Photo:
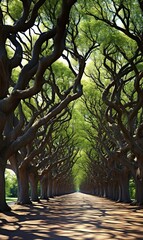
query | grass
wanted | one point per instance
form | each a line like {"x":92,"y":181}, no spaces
{"x":11,"y":199}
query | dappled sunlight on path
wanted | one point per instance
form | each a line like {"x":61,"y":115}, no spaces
{"x":73,"y":216}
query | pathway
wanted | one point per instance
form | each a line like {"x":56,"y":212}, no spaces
{"x":71,"y":217}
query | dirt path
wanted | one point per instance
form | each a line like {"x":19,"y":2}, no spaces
{"x":73,"y":216}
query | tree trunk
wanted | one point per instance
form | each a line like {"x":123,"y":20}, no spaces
{"x":58,"y":188}
{"x":105,"y":190}
{"x":139,"y":191}
{"x":97,"y":189}
{"x":43,"y":188}
{"x":23,"y":186}
{"x":115,"y":192}
{"x":124,"y":195}
{"x":110,"y":190}
{"x":124,"y":188}
{"x":49,"y":188}
{"x":33,"y":186}
{"x":3,"y":205}
{"x":54,"y":187}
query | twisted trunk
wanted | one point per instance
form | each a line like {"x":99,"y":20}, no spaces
{"x":23,"y":186}
{"x":43,"y":188}
{"x":124,"y":186}
{"x":33,"y":179}
{"x":3,"y":205}
{"x":50,"y":187}
{"x":139,"y":191}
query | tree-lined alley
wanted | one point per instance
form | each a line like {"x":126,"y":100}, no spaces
{"x":71,"y":97}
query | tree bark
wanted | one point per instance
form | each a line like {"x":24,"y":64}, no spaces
{"x":3,"y":205}
{"x":139,"y":191}
{"x":33,"y":187}
{"x":49,"y":188}
{"x":23,"y":186}
{"x":115,"y":191}
{"x":54,"y":187}
{"x":43,"y":188}
{"x":124,"y":186}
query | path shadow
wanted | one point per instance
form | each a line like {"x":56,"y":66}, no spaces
{"x":73,"y":216}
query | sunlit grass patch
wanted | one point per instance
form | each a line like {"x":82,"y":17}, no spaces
{"x":11,"y":199}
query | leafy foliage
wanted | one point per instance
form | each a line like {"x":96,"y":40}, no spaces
{"x":11,"y":184}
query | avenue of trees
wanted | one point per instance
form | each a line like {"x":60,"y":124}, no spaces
{"x":41,"y":66}
{"x":114,"y":102}
{"x":71,"y":98}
